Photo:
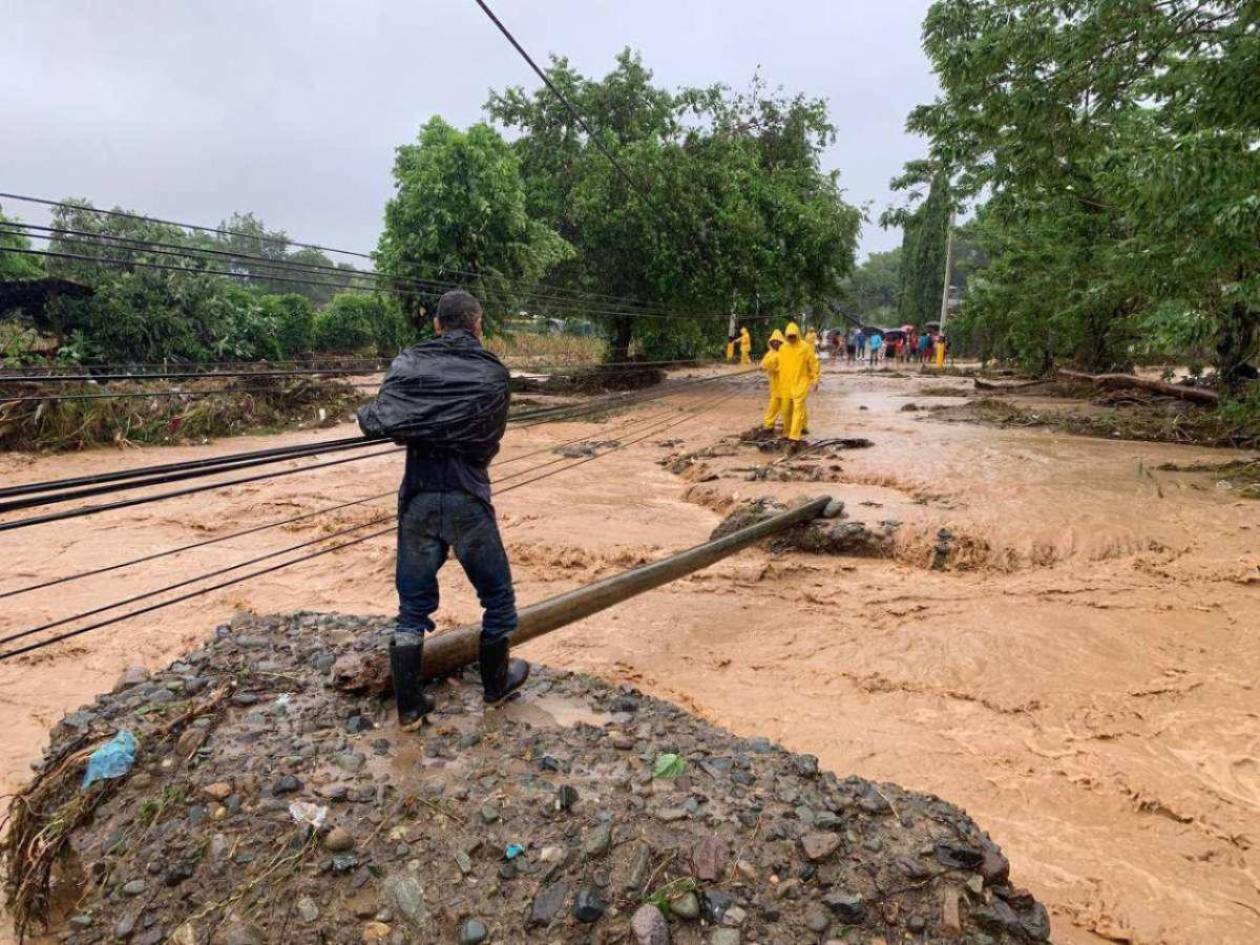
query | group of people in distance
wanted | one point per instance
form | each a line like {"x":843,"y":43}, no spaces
{"x":923,"y":346}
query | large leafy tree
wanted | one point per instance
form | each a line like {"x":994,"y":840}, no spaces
{"x":16,"y":265}
{"x":723,"y":206}
{"x":874,"y":288}
{"x":1116,"y":144}
{"x":459,"y":217}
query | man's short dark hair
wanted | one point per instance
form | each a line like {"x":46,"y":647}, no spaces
{"x":458,"y":309}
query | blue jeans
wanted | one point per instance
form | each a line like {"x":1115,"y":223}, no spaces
{"x":432,"y":524}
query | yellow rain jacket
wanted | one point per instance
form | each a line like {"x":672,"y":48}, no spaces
{"x":745,"y":346}
{"x":770,"y":365}
{"x":798,"y":372}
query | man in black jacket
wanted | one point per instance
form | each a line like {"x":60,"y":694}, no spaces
{"x":447,"y":399}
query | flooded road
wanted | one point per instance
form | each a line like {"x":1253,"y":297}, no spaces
{"x":1080,"y":677}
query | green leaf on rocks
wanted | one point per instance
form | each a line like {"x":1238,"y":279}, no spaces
{"x":668,"y":766}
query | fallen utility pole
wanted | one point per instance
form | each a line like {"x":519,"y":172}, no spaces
{"x":447,"y":652}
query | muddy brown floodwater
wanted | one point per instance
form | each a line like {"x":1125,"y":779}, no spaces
{"x":1081,"y":676}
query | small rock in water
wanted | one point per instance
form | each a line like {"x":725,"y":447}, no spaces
{"x":588,"y":906}
{"x":649,"y":927}
{"x":473,"y":932}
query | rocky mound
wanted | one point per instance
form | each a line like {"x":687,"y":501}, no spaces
{"x":263,"y":805}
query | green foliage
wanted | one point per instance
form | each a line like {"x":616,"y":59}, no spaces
{"x":1115,"y":146}
{"x":727,"y":208}
{"x":15,"y":265}
{"x":668,"y":766}
{"x":923,"y":256}
{"x":292,"y":317}
{"x":362,"y":323}
{"x":459,"y":215}
{"x":874,"y":287}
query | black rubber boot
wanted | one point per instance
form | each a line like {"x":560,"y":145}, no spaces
{"x":500,"y":676}
{"x":405,"y":662}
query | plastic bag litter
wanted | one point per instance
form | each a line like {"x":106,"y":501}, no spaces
{"x":448,"y":393}
{"x":111,"y":760}
{"x":304,"y":812}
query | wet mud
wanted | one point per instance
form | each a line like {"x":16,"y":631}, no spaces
{"x":1063,"y":640}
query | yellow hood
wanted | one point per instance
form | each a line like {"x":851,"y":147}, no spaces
{"x":793,"y":329}
{"x":777,"y":335}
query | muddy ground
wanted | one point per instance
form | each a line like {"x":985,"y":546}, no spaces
{"x":1060,"y":637}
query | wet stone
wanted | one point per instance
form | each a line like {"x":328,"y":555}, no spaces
{"x":819,"y":846}
{"x":649,"y":927}
{"x":548,"y":903}
{"x":686,"y":906}
{"x":286,"y":785}
{"x":588,"y":906}
{"x":307,"y":909}
{"x":597,"y":842}
{"x":846,"y":906}
{"x":338,"y":840}
{"x":473,"y":932}
{"x":133,"y":888}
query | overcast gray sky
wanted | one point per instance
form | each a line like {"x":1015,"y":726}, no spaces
{"x":191,"y":110}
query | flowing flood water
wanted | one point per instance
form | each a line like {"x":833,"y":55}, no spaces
{"x":1078,"y":670}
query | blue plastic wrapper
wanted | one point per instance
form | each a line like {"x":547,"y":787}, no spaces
{"x":513,"y":851}
{"x":111,"y":760}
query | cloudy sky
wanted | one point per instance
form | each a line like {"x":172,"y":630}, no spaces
{"x":191,"y":110}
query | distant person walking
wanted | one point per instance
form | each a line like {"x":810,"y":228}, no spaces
{"x":875,"y":344}
{"x":770,"y":367}
{"x":859,"y":342}
{"x":730,"y":350}
{"x":745,"y":346}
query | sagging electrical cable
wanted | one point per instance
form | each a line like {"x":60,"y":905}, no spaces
{"x":71,"y":238}
{"x":272,"y":240}
{"x":288,"y":521}
{"x":524,"y":418}
{"x":48,"y":517}
{"x":10,"y":654}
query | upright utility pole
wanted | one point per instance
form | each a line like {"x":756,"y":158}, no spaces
{"x":949,"y":270}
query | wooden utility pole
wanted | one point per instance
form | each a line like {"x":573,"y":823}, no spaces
{"x":446,"y":652}
{"x":949,"y":271}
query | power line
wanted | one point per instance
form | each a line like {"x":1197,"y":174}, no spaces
{"x":9,"y":654}
{"x":176,"y":471}
{"x":287,"y":521}
{"x":569,"y":106}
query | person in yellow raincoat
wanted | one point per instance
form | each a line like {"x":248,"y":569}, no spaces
{"x":798,"y":374}
{"x":745,"y":346}
{"x":730,"y":350}
{"x":770,"y":365}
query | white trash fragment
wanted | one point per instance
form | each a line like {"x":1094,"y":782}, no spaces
{"x":304,"y":812}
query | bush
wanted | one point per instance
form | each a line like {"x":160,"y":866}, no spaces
{"x":353,"y":323}
{"x":292,"y":317}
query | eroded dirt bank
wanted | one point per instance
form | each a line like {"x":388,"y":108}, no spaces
{"x":1078,"y":674}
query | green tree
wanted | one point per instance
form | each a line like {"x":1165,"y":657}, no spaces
{"x":292,"y":318}
{"x":725,"y":209}
{"x":15,"y":265}
{"x":362,"y":323}
{"x":874,"y":287}
{"x":458,"y":217}
{"x":923,"y":248}
{"x":1115,"y":143}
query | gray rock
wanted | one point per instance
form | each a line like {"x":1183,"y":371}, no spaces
{"x":236,"y":932}
{"x":489,"y":813}
{"x":816,"y":918}
{"x":724,"y":937}
{"x":473,"y":932}
{"x":408,"y":895}
{"x":588,"y":906}
{"x":307,"y":909}
{"x":124,"y":927}
{"x":847,"y":906}
{"x":686,"y":906}
{"x":597,"y":842}
{"x":548,"y":903}
{"x":464,"y":862}
{"x":133,"y":888}
{"x":131,"y":676}
{"x":649,"y":927}
{"x":286,"y":785}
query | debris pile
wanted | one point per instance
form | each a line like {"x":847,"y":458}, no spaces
{"x":827,"y":536}
{"x":264,"y":805}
